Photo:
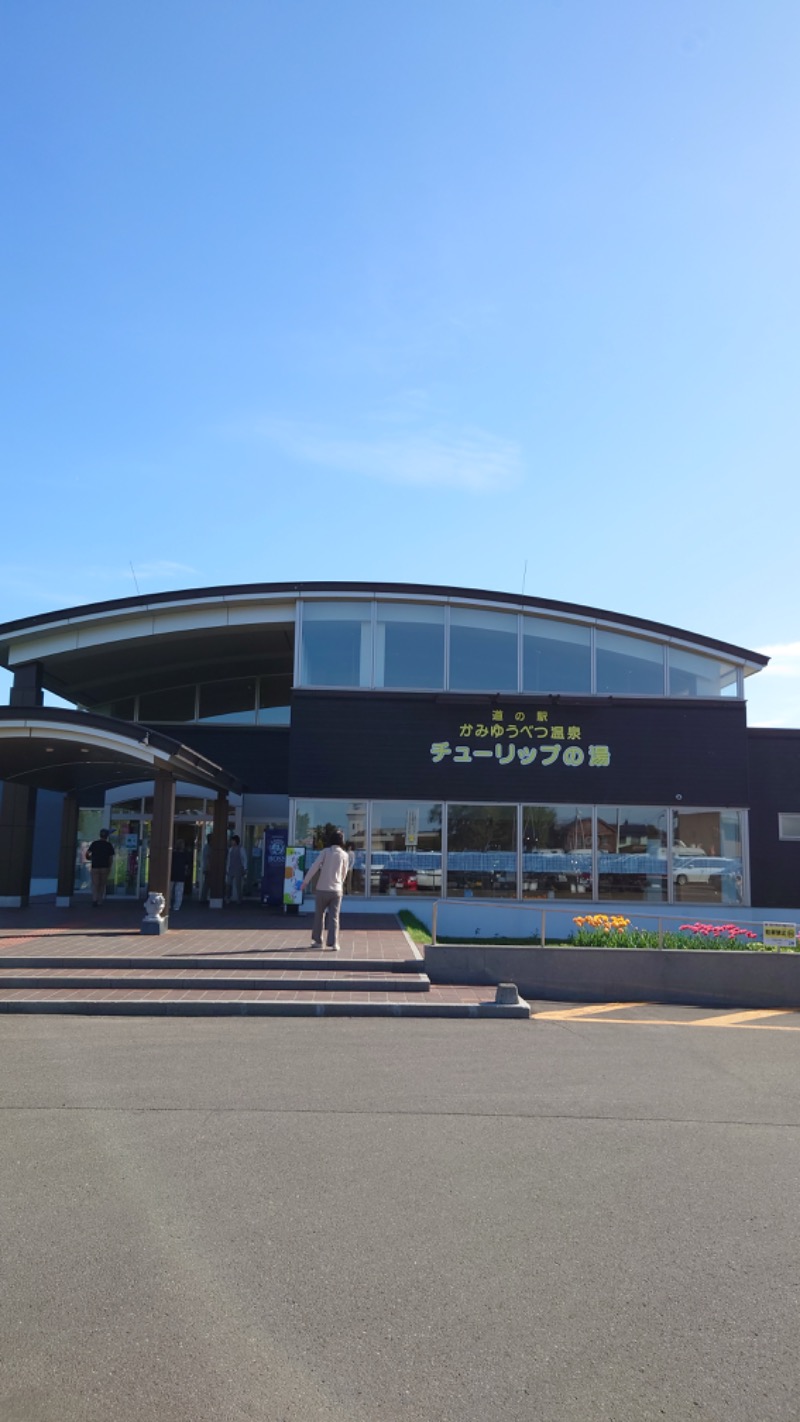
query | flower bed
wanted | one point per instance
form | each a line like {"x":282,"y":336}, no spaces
{"x":599,"y":930}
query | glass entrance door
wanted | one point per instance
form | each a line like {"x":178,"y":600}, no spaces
{"x":190,"y":835}
{"x":125,"y":827}
{"x":130,"y":823}
{"x":144,"y":855}
{"x":253,"y":844}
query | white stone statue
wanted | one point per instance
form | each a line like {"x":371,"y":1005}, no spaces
{"x":154,"y":906}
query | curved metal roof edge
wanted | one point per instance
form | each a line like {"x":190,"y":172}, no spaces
{"x":134,"y":731}
{"x":239,"y":590}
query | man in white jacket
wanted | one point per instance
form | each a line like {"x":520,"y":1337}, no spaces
{"x":332,"y":868}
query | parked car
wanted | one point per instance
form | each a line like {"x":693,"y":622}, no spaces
{"x":400,"y":880}
{"x":430,"y":879}
{"x":703,"y":870}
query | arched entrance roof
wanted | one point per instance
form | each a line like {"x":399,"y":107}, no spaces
{"x":47,"y":748}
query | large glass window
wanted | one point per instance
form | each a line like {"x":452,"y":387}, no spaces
{"x":482,"y":851}
{"x":253,"y":836}
{"x":337,"y":644}
{"x":562,"y":849}
{"x":409,"y":649}
{"x":629,"y":666}
{"x":274,"y":699}
{"x":406,"y":848}
{"x":483,"y":650}
{"x":177,"y":703}
{"x":274,"y":715}
{"x":556,"y":656}
{"x":90,"y":822}
{"x":315,"y":819}
{"x":122,"y":710}
{"x":632,"y":852}
{"x":189,"y":807}
{"x":556,"y":851}
{"x":691,"y":674}
{"x":231,"y":701}
{"x":707,"y":865}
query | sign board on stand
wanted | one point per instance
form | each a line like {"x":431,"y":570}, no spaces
{"x":274,"y":865}
{"x":294,"y":869}
{"x":780,"y":935}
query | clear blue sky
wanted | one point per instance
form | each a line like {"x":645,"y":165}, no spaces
{"x":418,"y":291}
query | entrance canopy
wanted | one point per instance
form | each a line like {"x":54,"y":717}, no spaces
{"x":47,"y":748}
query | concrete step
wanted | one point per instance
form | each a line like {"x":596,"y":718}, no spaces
{"x":344,"y":978}
{"x":252,"y":963}
{"x":438,"y":1001}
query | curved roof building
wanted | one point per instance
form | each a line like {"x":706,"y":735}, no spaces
{"x":471,"y":744}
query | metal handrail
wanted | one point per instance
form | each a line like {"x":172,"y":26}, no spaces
{"x":660,"y":919}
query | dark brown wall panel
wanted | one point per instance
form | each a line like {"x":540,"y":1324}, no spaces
{"x":381,"y":747}
{"x":775,"y":786}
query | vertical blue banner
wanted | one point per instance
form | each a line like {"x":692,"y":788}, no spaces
{"x":274,"y":866}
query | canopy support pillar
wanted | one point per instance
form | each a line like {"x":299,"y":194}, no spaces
{"x":161,"y":836}
{"x":17,"y":820}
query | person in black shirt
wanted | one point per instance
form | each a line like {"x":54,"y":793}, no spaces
{"x":100,"y":854}
{"x":180,"y":866}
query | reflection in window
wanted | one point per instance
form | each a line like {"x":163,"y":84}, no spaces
{"x":128,"y":836}
{"x":274,"y":715}
{"x":90,"y":822}
{"x":557,"y":857}
{"x":314,"y":822}
{"x":274,"y":699}
{"x":629,"y":666}
{"x":556,"y":851}
{"x":232,"y":701}
{"x":632,"y":852}
{"x":409,"y":649}
{"x":190,"y":805}
{"x":482,"y":851}
{"x":406,"y":848}
{"x":337,"y":644}
{"x":483,"y":650}
{"x":691,"y":674}
{"x":175,"y":704}
{"x":707,"y":864}
{"x":556,"y":656}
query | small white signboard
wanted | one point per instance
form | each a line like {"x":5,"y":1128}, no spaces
{"x":412,"y":827}
{"x":780,"y":935}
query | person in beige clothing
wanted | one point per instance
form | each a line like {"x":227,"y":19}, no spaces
{"x":331,"y":869}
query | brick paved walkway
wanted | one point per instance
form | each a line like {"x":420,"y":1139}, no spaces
{"x":113,"y":931}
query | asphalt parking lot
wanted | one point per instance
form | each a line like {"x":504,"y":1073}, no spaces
{"x":582,"y":1216}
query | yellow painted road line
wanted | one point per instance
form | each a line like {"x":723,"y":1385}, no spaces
{"x":734,"y":1019}
{"x":672,"y":1022}
{"x":564,"y":1014}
